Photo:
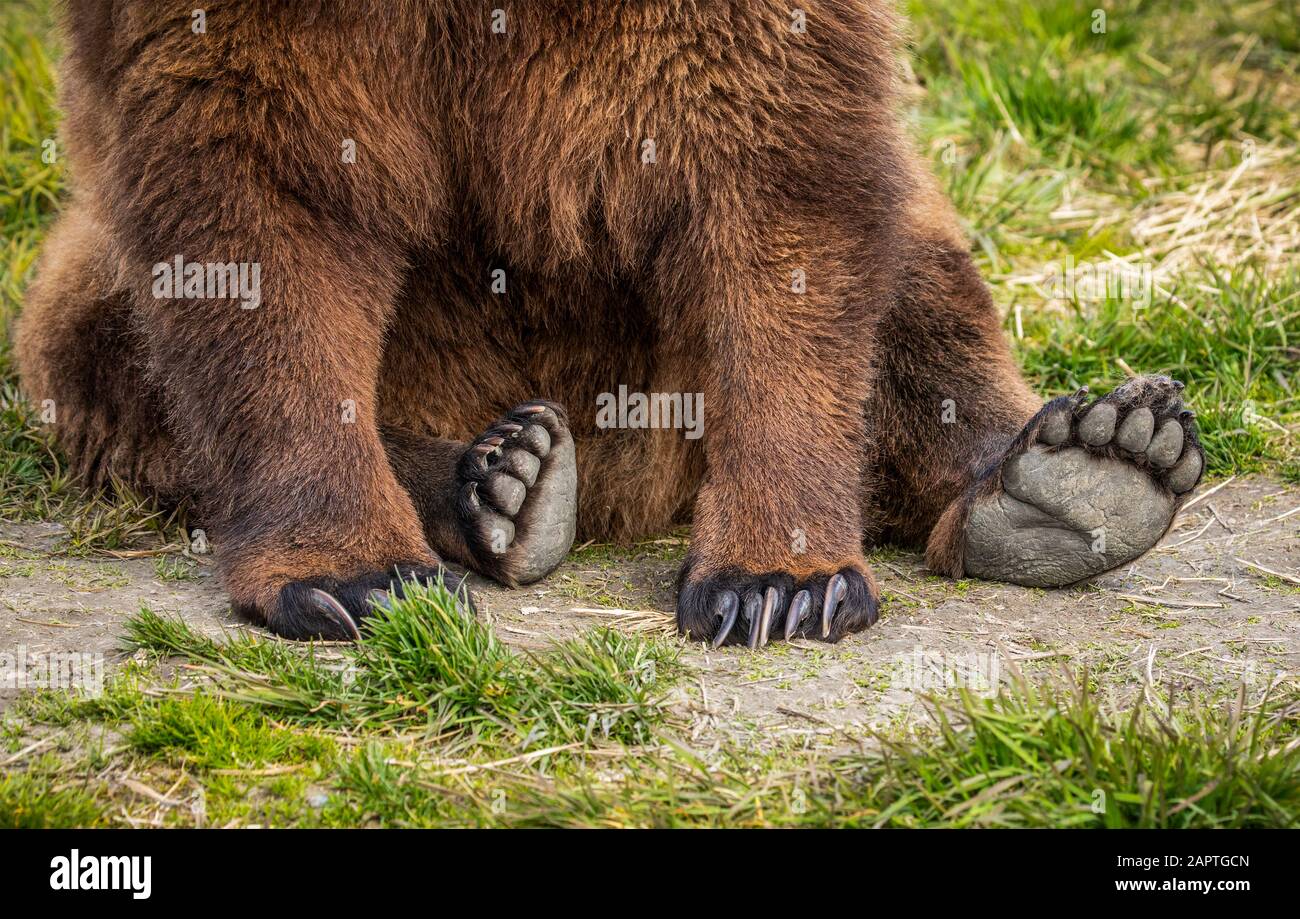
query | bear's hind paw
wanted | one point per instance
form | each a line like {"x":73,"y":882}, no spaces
{"x":1086,"y":488}
{"x":517,"y":501}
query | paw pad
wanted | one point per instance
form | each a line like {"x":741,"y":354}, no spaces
{"x":1143,"y":421}
{"x":1087,"y":487}
{"x":517,"y":503}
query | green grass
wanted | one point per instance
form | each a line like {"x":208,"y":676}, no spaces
{"x":30,"y":189}
{"x":427,"y":666}
{"x":1033,"y":756}
{"x":31,"y":802}
{"x":1027,"y":111}
{"x":399,"y":731}
{"x":1030,"y":117}
{"x":209,"y":732}
{"x":1236,"y":351}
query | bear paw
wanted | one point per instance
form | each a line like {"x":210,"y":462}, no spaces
{"x":1086,"y":488}
{"x":735,"y":607}
{"x":517,"y":498}
{"x":333,"y":609}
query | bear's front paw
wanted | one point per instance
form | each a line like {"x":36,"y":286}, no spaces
{"x":335,"y":609}
{"x":732,"y":606}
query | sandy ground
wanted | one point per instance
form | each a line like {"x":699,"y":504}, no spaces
{"x":1192,"y":611}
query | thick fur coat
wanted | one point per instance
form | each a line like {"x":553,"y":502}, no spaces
{"x":547,"y":202}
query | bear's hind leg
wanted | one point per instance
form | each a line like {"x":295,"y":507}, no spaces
{"x":82,"y":369}
{"x":947,"y":395}
{"x":993,"y":486}
{"x":505,"y":504}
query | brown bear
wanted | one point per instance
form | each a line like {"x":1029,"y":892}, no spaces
{"x":322,"y":259}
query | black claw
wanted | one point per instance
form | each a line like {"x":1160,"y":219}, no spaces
{"x":753,"y":617}
{"x":798,"y":609}
{"x":728,"y":607}
{"x":835,"y":592}
{"x":333,"y":610}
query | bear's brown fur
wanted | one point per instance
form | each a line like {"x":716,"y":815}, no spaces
{"x":775,"y":151}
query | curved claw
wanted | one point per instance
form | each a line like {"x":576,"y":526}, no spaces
{"x":835,"y":592}
{"x":798,"y":610}
{"x":380,"y":599}
{"x":333,"y":610}
{"x":753,"y":617}
{"x":769,"y":609}
{"x":727,"y":609}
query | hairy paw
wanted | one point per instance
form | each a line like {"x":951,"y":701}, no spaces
{"x":736,"y":607}
{"x":335,"y":609}
{"x":1086,"y":487}
{"x":517,"y":499}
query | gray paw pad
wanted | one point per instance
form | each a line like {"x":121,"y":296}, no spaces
{"x":520,"y":504}
{"x":1165,"y":447}
{"x":1097,"y":490}
{"x":1098,"y":426}
{"x":1063,"y":516}
{"x":1187,"y":473}
{"x":1055,"y":429}
{"x":1135,"y":433}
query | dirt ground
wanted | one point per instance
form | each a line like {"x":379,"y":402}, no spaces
{"x":1194,"y":611}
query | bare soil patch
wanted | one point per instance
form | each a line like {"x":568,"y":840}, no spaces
{"x":1195,"y":611}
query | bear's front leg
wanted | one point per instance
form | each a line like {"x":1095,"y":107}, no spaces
{"x":276,"y":409}
{"x":270,"y":378}
{"x":781,"y":342}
